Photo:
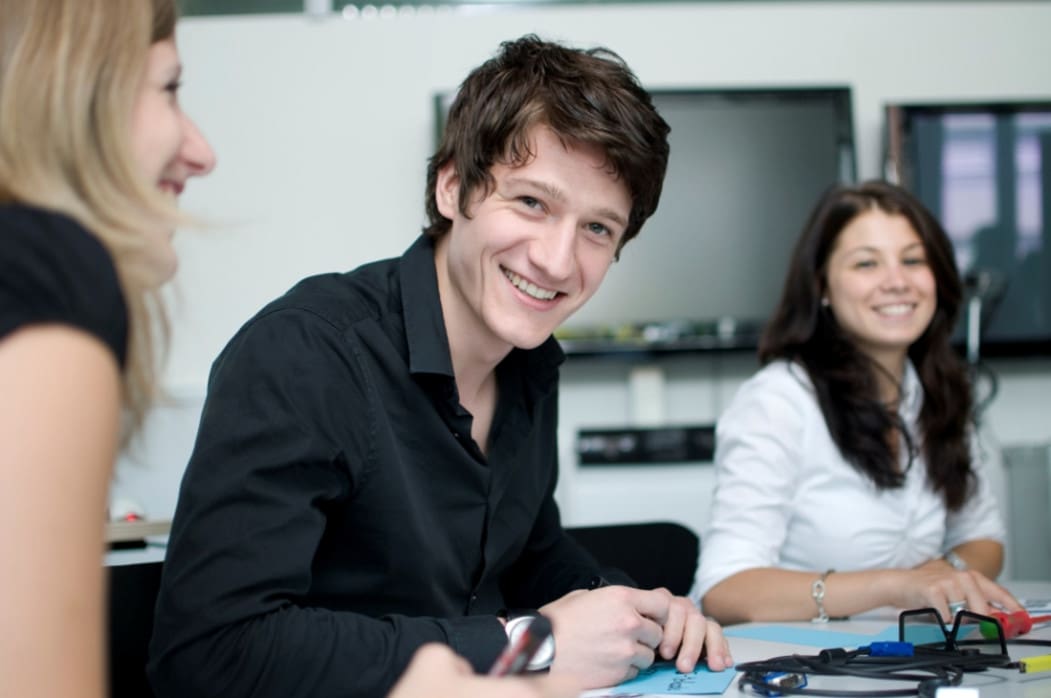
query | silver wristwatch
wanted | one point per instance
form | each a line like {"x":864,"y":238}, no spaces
{"x":517,"y":622}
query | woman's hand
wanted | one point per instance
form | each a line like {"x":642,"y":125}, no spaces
{"x":939,"y":585}
{"x":437,"y":672}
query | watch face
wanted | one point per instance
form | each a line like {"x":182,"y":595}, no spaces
{"x":544,"y":654}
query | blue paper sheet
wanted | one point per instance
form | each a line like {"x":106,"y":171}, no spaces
{"x":662,"y":678}
{"x":824,"y":637}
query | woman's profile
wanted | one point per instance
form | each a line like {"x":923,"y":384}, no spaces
{"x":94,"y":152}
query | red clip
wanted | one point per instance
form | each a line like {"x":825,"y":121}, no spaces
{"x":1014,"y":624}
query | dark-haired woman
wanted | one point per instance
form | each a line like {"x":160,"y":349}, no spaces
{"x":846,"y":474}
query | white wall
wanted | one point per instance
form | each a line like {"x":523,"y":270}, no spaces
{"x":323,"y":127}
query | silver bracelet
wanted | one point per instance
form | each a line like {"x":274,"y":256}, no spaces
{"x":955,"y":560}
{"x":817,"y":592}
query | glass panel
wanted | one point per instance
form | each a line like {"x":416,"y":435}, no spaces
{"x":923,"y":626}
{"x":970,"y":632}
{"x":978,"y":632}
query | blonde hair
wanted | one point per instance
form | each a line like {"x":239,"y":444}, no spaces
{"x":70,"y":72}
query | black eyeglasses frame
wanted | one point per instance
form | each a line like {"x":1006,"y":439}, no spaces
{"x":952,"y":641}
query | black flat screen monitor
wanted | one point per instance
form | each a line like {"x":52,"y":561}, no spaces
{"x":984,"y":170}
{"x":746,"y":166}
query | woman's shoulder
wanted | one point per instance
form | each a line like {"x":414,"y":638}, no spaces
{"x":53,"y":270}
{"x":781,"y":376}
{"x":780,"y":390}
{"x":34,"y":235}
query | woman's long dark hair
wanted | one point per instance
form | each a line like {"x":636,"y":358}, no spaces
{"x":845,"y":379}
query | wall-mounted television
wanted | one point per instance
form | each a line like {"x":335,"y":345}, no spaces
{"x":984,"y":169}
{"x":746,"y":166}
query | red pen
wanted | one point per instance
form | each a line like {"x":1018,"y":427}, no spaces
{"x":516,"y":655}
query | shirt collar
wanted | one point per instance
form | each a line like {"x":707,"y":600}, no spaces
{"x":425,"y":325}
{"x":422,"y":310}
{"x":911,"y":391}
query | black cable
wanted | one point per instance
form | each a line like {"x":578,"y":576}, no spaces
{"x":930,"y":665}
{"x":938,"y":676}
{"x":762,"y":687}
{"x":930,"y":668}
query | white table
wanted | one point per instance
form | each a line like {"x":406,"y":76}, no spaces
{"x":992,"y":683}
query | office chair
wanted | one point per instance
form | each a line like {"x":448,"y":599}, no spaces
{"x":654,"y":554}
{"x":132,"y":595}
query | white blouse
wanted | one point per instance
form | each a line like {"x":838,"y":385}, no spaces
{"x":785,"y":497}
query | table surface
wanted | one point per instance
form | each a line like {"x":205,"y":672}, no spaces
{"x":153,"y":551}
{"x":992,"y":683}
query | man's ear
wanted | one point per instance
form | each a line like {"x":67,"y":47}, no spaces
{"x":447,"y":191}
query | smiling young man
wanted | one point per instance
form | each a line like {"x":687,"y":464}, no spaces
{"x":376,"y":460}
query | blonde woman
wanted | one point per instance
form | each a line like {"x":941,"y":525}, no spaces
{"x":94,"y":149}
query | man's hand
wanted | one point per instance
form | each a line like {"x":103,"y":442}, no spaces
{"x":606,"y":636}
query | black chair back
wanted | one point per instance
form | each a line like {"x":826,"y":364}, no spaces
{"x":654,"y":554}
{"x":132,"y":595}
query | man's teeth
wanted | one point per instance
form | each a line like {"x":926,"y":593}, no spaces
{"x":528,"y":288}
{"x":899,"y":309}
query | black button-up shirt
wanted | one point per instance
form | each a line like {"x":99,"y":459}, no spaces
{"x":336,"y":512}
